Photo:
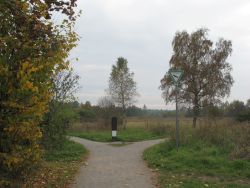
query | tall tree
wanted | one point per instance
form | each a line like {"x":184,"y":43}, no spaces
{"x":207,"y":74}
{"x":32,"y":50}
{"x":122,"y":87}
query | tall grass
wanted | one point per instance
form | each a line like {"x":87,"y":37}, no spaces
{"x":232,"y":138}
{"x":215,"y":154}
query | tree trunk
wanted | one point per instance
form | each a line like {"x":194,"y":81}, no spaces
{"x":124,"y":117}
{"x":194,"y":121}
{"x":125,"y":122}
{"x":195,"y":111}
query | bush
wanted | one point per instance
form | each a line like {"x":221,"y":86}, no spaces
{"x":55,"y":124}
{"x":87,"y":114}
{"x":160,"y":129}
{"x":244,"y":116}
{"x":241,"y":148}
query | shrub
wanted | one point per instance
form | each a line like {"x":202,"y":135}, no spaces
{"x":87,"y":114}
{"x":241,"y":148}
{"x":55,"y":124}
{"x":160,"y":129}
{"x":244,"y":116}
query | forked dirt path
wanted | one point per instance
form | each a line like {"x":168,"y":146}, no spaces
{"x":114,"y":166}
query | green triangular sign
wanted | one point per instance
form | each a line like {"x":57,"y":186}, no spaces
{"x":175,"y":75}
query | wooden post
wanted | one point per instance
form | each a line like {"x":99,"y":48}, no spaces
{"x":114,"y":128}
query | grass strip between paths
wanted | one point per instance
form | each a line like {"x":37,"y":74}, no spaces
{"x":128,"y":135}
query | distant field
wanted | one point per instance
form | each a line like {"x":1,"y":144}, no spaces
{"x":138,"y":128}
{"x":156,"y":121}
{"x":142,"y":122}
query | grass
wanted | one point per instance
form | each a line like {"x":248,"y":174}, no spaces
{"x":131,"y":134}
{"x":197,"y":165}
{"x":70,"y":151}
{"x":58,"y":167}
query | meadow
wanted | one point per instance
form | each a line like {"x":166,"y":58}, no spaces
{"x":137,"y":129}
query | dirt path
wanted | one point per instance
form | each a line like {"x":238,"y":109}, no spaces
{"x":114,"y":167}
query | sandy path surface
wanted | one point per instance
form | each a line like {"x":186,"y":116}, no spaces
{"x":114,"y":166}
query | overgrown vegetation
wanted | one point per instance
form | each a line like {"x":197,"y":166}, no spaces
{"x":61,"y":112}
{"x":209,"y":156}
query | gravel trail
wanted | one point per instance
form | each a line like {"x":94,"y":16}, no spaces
{"x":111,"y":166}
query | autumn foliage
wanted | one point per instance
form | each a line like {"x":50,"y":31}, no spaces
{"x":32,"y":50}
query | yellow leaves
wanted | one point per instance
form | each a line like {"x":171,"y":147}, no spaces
{"x":12,"y":161}
{"x":9,"y":129}
{"x":11,"y":104}
{"x":25,"y":65}
{"x":3,"y":70}
{"x":19,"y":155}
{"x":30,"y":86}
{"x":27,"y":68}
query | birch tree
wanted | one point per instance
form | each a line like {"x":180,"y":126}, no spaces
{"x":122,"y":87}
{"x":207,"y":74}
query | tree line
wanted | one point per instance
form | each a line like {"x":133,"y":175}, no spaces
{"x":236,"y":109}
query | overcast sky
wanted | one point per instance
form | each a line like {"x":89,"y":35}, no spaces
{"x":142,"y":31}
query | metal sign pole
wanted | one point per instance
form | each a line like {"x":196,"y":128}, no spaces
{"x":176,"y":75}
{"x":177,"y":117}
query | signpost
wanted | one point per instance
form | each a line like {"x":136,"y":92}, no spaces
{"x":114,"y":128}
{"x":176,"y":75}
